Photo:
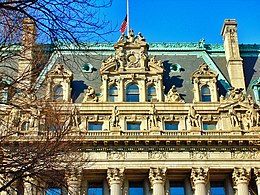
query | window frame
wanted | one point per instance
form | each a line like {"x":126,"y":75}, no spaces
{"x":133,"y":122}
{"x":113,"y":97}
{"x":204,"y":123}
{"x":171,"y":122}
{"x":151,"y":96}
{"x":57,"y":97}
{"x":204,"y":96}
{"x":94,"y":123}
{"x":132,"y":97}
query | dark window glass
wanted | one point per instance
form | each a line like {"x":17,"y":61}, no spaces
{"x":54,"y":191}
{"x":151,"y":93}
{"x":171,"y":125}
{"x":136,"y":188}
{"x":258,"y":90}
{"x":132,"y":93}
{"x":209,"y":126}
{"x":95,"y":188}
{"x":133,"y":126}
{"x":58,"y":93}
{"x":217,"y":188}
{"x":95,"y":126}
{"x":177,"y":188}
{"x":113,"y":94}
{"x":205,"y":94}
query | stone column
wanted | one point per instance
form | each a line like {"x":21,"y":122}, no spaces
{"x":115,"y":179}
{"x":157,"y":179}
{"x":241,"y":178}
{"x":74,"y":178}
{"x":257,"y":174}
{"x":199,"y":178}
{"x":29,"y":187}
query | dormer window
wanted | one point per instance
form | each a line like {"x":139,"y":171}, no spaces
{"x":113,"y":94}
{"x":151,"y":93}
{"x":132,"y":93}
{"x":205,"y":93}
{"x":58,"y":93}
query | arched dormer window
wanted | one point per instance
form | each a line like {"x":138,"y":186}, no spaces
{"x":132,"y":93}
{"x":151,"y":93}
{"x":113,"y":93}
{"x":205,"y":93}
{"x":58,"y":93}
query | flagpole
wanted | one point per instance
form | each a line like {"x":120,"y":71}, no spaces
{"x":127,"y":15}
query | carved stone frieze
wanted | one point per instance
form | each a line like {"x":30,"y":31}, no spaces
{"x":204,"y":71}
{"x":199,"y":155}
{"x":245,"y":155}
{"x":116,"y":155}
{"x":157,"y":155}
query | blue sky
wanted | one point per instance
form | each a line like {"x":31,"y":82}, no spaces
{"x":187,"y":20}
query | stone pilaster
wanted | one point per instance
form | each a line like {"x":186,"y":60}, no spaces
{"x":157,"y":179}
{"x":199,"y":178}
{"x":257,"y":179}
{"x":29,"y":186}
{"x":115,"y":177}
{"x":241,"y":178}
{"x":74,"y":178}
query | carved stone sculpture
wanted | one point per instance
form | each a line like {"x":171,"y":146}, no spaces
{"x":35,"y":117}
{"x":233,"y":117}
{"x":153,"y":118}
{"x":253,"y":116}
{"x":14,"y":117}
{"x":115,"y":175}
{"x":157,"y":174}
{"x":194,"y":119}
{"x":173,"y":96}
{"x":90,"y":95}
{"x":199,"y":175}
{"x":75,"y":117}
{"x":115,"y":117}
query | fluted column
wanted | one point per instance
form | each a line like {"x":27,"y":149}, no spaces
{"x":74,"y":178}
{"x":157,"y":179}
{"x":199,"y":177}
{"x":115,"y":177}
{"x":241,"y":178}
{"x":257,"y":179}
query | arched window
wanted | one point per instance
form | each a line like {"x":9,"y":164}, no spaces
{"x":25,"y":126}
{"x":58,"y":93}
{"x":132,"y":93}
{"x":151,"y":93}
{"x":205,"y":94}
{"x":113,"y":94}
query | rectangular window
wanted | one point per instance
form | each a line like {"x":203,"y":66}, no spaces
{"x":170,"y":125}
{"x":54,"y":191}
{"x":209,"y":126}
{"x":95,"y":126}
{"x":136,"y":188}
{"x":217,"y":188}
{"x":177,"y":188}
{"x":95,"y":188}
{"x":133,"y":126}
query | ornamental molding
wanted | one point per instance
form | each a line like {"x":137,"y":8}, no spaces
{"x":199,"y":155}
{"x":60,"y":71}
{"x":204,"y":72}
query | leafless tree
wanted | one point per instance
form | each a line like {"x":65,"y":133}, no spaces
{"x":54,"y":23}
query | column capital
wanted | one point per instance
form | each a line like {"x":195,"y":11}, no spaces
{"x":257,"y":175}
{"x":199,"y":175}
{"x":157,"y":175}
{"x":241,"y":175}
{"x":115,"y":175}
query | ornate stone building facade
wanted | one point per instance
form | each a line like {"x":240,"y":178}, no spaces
{"x":159,"y":118}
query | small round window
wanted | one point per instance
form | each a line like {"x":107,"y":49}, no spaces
{"x":175,"y":68}
{"x":87,"y":67}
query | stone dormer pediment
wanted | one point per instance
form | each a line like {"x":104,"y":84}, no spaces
{"x":131,"y":55}
{"x":204,"y":72}
{"x":60,"y":72}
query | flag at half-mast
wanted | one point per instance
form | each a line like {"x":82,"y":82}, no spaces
{"x":123,"y":25}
